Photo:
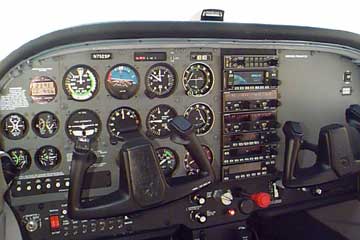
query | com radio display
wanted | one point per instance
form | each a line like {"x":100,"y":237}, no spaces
{"x":246,"y":78}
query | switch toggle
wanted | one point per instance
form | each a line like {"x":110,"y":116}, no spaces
{"x":54,"y":222}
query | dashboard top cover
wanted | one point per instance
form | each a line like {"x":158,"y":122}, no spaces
{"x":201,"y":30}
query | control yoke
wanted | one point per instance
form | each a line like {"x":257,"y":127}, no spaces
{"x":142,"y":183}
{"x":335,"y":157}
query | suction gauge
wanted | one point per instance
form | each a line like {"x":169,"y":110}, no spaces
{"x":157,"y":120}
{"x":122,"y":81}
{"x":81,"y":83}
{"x":47,"y":157}
{"x":168,"y":160}
{"x":201,"y":116}
{"x":14,"y":126}
{"x":160,"y":81}
{"x":191,"y":166}
{"x":45,"y":124}
{"x":83,"y":123}
{"x":122,"y":120}
{"x":198,"y":79}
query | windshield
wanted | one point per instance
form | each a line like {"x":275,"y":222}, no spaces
{"x":22,"y":21}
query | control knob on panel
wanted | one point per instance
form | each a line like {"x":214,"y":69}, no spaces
{"x":246,"y":206}
{"x":199,"y":199}
{"x":226,"y":198}
{"x":261,"y":199}
{"x":200,"y":218}
{"x":32,"y":223}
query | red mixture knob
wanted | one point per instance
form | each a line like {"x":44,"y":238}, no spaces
{"x":261,"y":199}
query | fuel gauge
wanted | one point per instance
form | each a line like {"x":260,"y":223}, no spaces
{"x":45,"y":124}
{"x":20,"y":159}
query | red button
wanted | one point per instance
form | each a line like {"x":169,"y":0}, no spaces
{"x":261,"y":199}
{"x":54,"y":222}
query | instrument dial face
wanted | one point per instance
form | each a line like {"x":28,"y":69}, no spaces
{"x":191,"y":166}
{"x":168,"y":160}
{"x":160,"y":81}
{"x":158,"y":119}
{"x":14,"y":126}
{"x":45,"y":124}
{"x":198,"y":79}
{"x":83,"y":123}
{"x":122,"y":120}
{"x":81,"y":83}
{"x":201,"y":116}
{"x":47,"y":157}
{"x":122,"y":81}
{"x":20,"y":159}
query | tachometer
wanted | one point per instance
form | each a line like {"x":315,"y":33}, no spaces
{"x":201,"y":116}
{"x":45,"y":124}
{"x":157,"y":120}
{"x":20,"y":159}
{"x":168,"y":160}
{"x":122,"y":81}
{"x":198,"y":79}
{"x":122,"y":120}
{"x":160,"y":81}
{"x":191,"y":166}
{"x":81,"y":83}
{"x":14,"y":126}
{"x":47,"y":157}
{"x":83,"y":123}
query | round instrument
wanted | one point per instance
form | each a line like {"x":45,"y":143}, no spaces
{"x":198,"y":79}
{"x":160,"y":81}
{"x":158,"y":119}
{"x":81,"y":83}
{"x":122,"y":81}
{"x":201,"y":116}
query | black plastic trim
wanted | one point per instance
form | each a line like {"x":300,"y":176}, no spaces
{"x":141,"y":30}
